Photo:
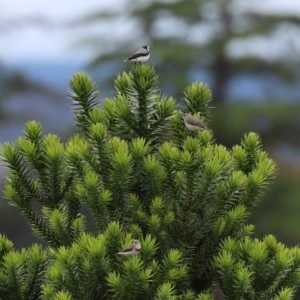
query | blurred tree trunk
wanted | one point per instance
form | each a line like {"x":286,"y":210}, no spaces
{"x":192,"y":36}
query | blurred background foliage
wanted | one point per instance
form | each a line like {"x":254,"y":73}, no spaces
{"x":248,"y":53}
{"x":222,"y":41}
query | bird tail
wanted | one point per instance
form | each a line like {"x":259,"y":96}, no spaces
{"x":126,"y":60}
{"x":122,"y":253}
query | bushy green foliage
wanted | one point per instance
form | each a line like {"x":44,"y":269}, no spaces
{"x":134,"y":170}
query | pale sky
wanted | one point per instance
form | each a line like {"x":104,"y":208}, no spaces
{"x":52,"y":43}
{"x":31,"y":42}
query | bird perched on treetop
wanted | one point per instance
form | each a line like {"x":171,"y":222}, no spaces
{"x":134,"y":249}
{"x":193,"y":123}
{"x":141,"y":55}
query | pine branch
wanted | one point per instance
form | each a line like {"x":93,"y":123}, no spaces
{"x":36,"y":269}
{"x":197,"y":97}
{"x":84,"y":96}
{"x":22,"y":273}
{"x":139,"y":110}
{"x":136,"y":171}
{"x":252,"y":268}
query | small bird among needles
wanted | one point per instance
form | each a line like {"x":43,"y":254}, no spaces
{"x":192,"y":123}
{"x":141,"y":55}
{"x":134,"y":249}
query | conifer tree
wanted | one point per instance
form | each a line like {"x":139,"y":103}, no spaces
{"x":134,"y":171}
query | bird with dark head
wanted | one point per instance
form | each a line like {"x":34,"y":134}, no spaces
{"x":141,"y":55}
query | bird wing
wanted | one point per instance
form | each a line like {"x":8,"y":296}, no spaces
{"x":141,"y":51}
{"x":127,"y":249}
{"x":195,"y":122}
{"x":138,"y":53}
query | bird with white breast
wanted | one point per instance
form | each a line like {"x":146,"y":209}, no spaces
{"x":134,"y":249}
{"x":141,"y":55}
